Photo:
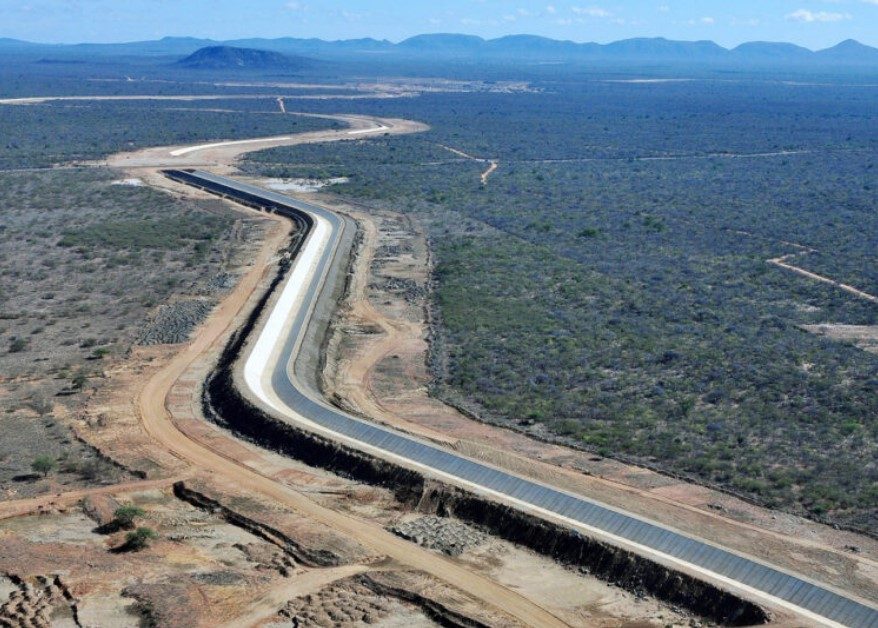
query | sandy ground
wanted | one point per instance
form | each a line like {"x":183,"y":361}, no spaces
{"x":52,"y":503}
{"x":376,"y":367}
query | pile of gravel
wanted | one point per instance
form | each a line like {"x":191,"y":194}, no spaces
{"x":438,"y":533}
{"x":173,"y":323}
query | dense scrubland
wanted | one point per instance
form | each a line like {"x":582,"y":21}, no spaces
{"x":608,"y":287}
{"x":611,"y":280}
{"x":57,"y":132}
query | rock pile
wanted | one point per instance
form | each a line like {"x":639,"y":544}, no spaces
{"x":441,"y":534}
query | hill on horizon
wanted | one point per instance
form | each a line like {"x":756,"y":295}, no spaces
{"x":233,"y":58}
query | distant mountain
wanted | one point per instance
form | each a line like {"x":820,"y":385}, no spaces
{"x":231,"y":58}
{"x":659,"y":48}
{"x":464,"y":48}
{"x":536,"y":46}
{"x":443,"y":43}
{"x":313,"y":46}
{"x":850,"y":51}
{"x":7,"y":43}
{"x":771,"y":51}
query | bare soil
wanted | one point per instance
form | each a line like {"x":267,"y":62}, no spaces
{"x":863,"y":336}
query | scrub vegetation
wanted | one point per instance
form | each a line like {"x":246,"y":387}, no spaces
{"x":86,"y":264}
{"x":56,"y":132}
{"x":610,"y":286}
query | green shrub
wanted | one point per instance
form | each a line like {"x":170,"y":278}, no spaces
{"x":125,"y":516}
{"x":140,"y":538}
{"x":44,"y":465}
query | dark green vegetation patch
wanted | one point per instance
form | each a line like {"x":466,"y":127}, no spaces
{"x":612,"y":281}
{"x":55,"y":132}
{"x":160,"y":233}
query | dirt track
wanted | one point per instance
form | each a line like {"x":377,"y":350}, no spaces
{"x":782,"y":262}
{"x":220,"y":156}
{"x":156,"y":420}
{"x":493,"y":164}
{"x":43,"y":503}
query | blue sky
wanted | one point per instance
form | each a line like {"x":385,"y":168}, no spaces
{"x":811,"y":23}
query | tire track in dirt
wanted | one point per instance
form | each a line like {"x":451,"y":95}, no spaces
{"x":493,"y":164}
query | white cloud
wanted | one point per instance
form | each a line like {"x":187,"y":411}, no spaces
{"x":551,"y":10}
{"x":591,"y":11}
{"x":707,"y":20}
{"x":664,"y":9}
{"x":293,"y":5}
{"x":804,"y":15}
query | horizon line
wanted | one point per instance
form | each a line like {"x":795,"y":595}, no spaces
{"x":462,"y":34}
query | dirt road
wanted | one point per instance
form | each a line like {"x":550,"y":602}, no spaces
{"x":221,"y":155}
{"x":156,"y":420}
{"x":493,"y":164}
{"x":157,"y":423}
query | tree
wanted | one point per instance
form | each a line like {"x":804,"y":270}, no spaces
{"x":139,"y":539}
{"x":43,"y":465}
{"x":125,"y":515}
